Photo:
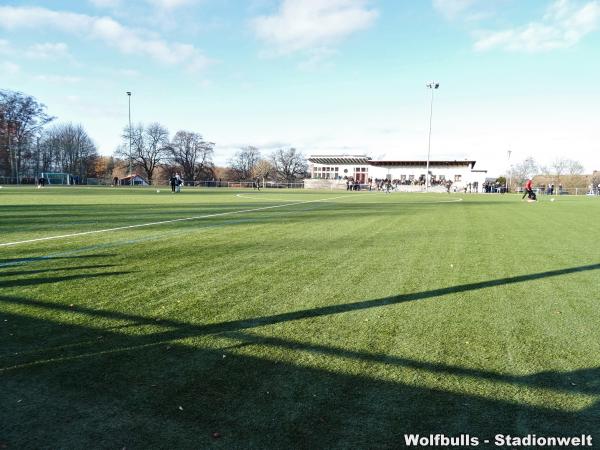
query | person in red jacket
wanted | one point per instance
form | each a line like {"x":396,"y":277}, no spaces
{"x":528,"y":190}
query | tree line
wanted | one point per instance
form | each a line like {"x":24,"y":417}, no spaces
{"x":32,"y":142}
{"x":560,"y":170}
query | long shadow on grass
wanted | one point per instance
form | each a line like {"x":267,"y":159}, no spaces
{"x":182,"y":329}
{"x":56,"y":279}
{"x":55,"y":269}
{"x":126,"y":389}
{"x":152,"y":394}
{"x":16,"y":261}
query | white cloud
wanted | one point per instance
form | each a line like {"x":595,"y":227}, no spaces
{"x":171,"y":4}
{"x":317,"y":57}
{"x":563,"y":26}
{"x":48,"y":50}
{"x":312,"y":24}
{"x":452,"y":8}
{"x":9,"y":68}
{"x":5,"y":48}
{"x":106,"y":3}
{"x":58,"y":79}
{"x":107,"y":30}
{"x":131,"y":73}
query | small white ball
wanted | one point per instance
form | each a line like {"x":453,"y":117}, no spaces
{"x":158,"y":191}
{"x":551,"y":199}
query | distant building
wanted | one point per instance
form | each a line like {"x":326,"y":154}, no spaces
{"x":410,"y":173}
{"x":136,"y":179}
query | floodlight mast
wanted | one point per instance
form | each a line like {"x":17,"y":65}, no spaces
{"x":130,"y":156}
{"x":508,"y":174}
{"x":433,"y":85}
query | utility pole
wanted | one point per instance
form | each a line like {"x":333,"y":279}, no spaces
{"x":433,"y":85}
{"x":508,"y":172}
{"x":130,"y":155}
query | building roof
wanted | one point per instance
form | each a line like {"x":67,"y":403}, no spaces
{"x":340,"y":159}
{"x":135,"y":175}
{"x":423,"y":163}
{"x":362,"y":159}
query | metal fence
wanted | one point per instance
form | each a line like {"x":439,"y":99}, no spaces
{"x":196,"y":184}
{"x":564,"y":191}
{"x":20,"y":180}
{"x":240,"y":184}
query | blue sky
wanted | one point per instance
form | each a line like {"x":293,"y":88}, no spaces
{"x":324,"y":76}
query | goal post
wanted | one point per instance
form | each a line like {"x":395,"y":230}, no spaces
{"x":57,"y":178}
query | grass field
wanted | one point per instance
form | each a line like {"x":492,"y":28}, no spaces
{"x":294,"y":319}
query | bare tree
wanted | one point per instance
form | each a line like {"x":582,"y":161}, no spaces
{"x":596,"y":180}
{"x":263,"y":169}
{"x":289,"y":164}
{"x":192,"y":154}
{"x":149,"y":147}
{"x":559,"y":167}
{"x":67,"y":148}
{"x":22,"y":118}
{"x":574,"y":167}
{"x":243,"y":163}
{"x":524,"y":170}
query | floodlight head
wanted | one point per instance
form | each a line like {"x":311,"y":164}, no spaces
{"x":433,"y":85}
{"x":129,"y":93}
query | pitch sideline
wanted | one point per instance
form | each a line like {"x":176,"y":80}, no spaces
{"x":162,"y":222}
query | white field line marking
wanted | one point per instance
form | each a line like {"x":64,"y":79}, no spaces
{"x":352,"y":196}
{"x":162,"y":222}
{"x":260,"y":197}
{"x":424,"y":202}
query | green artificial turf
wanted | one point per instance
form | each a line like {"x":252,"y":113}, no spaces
{"x":294,"y":319}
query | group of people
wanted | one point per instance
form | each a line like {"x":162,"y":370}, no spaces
{"x":384,"y":185}
{"x":387,"y":185}
{"x":176,"y":181}
{"x":352,"y":185}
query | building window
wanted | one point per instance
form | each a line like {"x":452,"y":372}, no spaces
{"x":457,"y":177}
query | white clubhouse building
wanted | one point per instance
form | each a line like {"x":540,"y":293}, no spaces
{"x":334,"y":170}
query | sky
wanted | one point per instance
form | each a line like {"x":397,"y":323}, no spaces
{"x":323,"y":76}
